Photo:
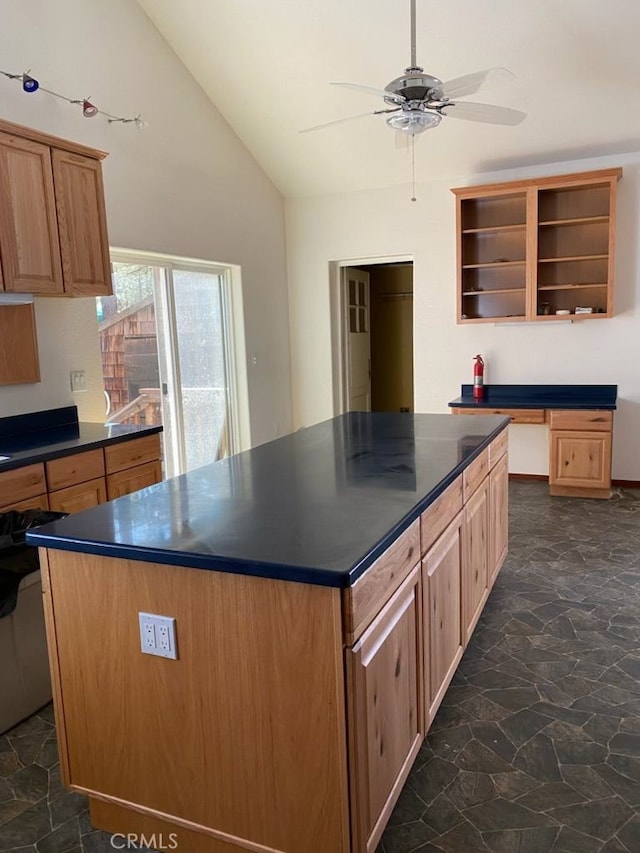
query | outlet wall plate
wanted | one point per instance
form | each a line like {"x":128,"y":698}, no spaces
{"x":158,"y":635}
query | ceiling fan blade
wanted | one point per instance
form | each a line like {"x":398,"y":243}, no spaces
{"x":469,"y":84}
{"x":348,"y":118}
{"x":370,"y":90}
{"x":488,"y":113}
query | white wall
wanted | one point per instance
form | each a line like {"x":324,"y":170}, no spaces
{"x":386,"y":223}
{"x":185,"y":185}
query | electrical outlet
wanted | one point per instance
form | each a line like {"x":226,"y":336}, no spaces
{"x":158,"y":635}
{"x":148,"y":634}
{"x":78,"y":380}
{"x":163,"y":637}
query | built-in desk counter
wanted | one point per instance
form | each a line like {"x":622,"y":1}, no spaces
{"x":580,"y":418}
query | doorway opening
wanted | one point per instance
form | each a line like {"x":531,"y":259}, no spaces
{"x":374,"y":349}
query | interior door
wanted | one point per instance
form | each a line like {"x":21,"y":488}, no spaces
{"x":358,"y":339}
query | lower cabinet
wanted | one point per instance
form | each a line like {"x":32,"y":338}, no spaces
{"x":132,"y":465}
{"x":79,"y":497}
{"x":132,"y":479}
{"x":83,"y":480}
{"x":384,"y":677}
{"x":475,"y":561}
{"x":580,"y":460}
{"x":441,"y":609}
{"x":499,"y":516}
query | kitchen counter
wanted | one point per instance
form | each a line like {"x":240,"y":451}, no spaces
{"x":42,"y":436}
{"x":318,"y":506}
{"x":539,"y":397}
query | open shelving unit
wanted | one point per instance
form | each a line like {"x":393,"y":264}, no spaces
{"x":527,"y":249}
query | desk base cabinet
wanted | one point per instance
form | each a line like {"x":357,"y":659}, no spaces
{"x":580,"y":453}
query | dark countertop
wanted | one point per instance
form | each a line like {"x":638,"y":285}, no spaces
{"x":539,"y":397}
{"x":317,"y":506}
{"x":40,"y":436}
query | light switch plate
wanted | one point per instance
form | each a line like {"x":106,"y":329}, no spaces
{"x":158,"y":635}
{"x":78,"y":380}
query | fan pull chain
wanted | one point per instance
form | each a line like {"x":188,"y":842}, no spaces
{"x":413,"y":167}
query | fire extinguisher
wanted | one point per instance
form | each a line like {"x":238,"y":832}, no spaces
{"x":478,"y":377}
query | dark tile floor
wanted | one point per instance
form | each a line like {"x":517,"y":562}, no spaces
{"x":536,"y":748}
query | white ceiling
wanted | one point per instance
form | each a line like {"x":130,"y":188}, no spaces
{"x":267,"y":65}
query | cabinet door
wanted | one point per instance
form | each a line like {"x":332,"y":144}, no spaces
{"x":475,"y":557}
{"x":499,"y":516}
{"x":39,"y":502}
{"x":441,"y":609}
{"x":580,"y":460}
{"x":125,"y":482}
{"x":82,"y":224}
{"x":79,"y":497}
{"x":28,"y":226}
{"x":384,"y":708}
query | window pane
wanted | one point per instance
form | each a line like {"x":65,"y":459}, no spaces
{"x":202,"y":365}
{"x":129,"y":347}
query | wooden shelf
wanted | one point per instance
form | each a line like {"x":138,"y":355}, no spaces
{"x":493,"y":291}
{"x":571,"y":286}
{"x":569,"y":221}
{"x":573,"y":258}
{"x":581,"y":220}
{"x":494,"y":265}
{"x":513,"y":318}
{"x":495,"y":229}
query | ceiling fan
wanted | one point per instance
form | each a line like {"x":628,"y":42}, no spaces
{"x":417,"y":101}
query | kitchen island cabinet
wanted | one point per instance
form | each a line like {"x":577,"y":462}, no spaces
{"x":316,"y":584}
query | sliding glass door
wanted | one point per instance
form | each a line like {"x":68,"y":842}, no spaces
{"x":167,"y":357}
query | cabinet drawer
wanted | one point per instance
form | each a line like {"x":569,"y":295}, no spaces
{"x":126,"y":454}
{"x":124,"y":482}
{"x":498,"y":447}
{"x":593,"y":420}
{"x":22,"y":483}
{"x":78,"y":468}
{"x":518,"y":416}
{"x":78,"y":497}
{"x":475,"y":474}
{"x":373,"y":589}
{"x":440,"y":514}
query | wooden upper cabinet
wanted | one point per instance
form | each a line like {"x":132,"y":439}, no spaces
{"x":530,"y":249}
{"x":28,"y":229}
{"x":82,"y":224}
{"x":53,"y":232}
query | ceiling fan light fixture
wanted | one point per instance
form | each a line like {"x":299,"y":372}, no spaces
{"x":414,"y":121}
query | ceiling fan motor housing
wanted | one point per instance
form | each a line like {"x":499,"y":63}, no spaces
{"x":414,"y":85}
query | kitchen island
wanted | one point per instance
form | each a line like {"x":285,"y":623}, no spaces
{"x":324,"y":587}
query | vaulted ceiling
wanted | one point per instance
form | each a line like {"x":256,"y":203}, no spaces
{"x":267,"y":66}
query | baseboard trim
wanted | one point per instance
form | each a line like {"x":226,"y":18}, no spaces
{"x":621,"y":484}
{"x":540,"y":477}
